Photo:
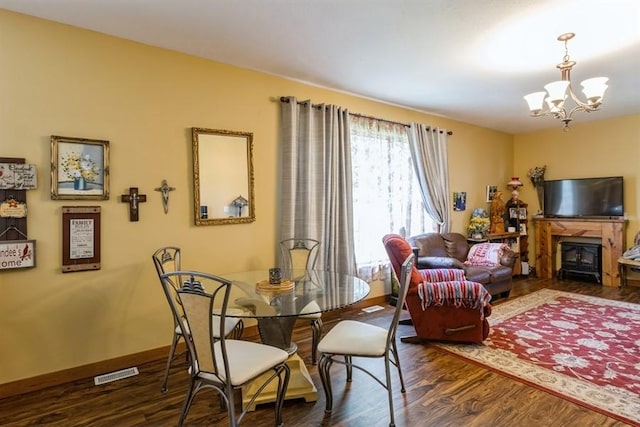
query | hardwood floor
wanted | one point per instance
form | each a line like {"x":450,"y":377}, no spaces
{"x":441,"y":390}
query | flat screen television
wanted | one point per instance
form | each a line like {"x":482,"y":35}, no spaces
{"x":584,"y":197}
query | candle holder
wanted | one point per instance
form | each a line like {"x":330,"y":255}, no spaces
{"x":275,"y":276}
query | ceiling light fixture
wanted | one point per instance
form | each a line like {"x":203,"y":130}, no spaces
{"x":556,"y":92}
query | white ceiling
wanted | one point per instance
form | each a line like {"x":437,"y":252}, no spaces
{"x":469,"y":60}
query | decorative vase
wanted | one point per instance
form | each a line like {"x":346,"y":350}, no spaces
{"x":477,"y":236}
{"x":79,"y":184}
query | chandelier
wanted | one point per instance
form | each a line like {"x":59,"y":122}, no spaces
{"x":557,"y":92}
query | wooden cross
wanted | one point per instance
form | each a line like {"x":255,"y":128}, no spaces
{"x":133,"y":198}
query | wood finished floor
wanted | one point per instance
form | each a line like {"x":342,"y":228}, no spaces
{"x":442,"y":390}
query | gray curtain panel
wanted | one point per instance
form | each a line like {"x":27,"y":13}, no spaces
{"x":429,"y":154}
{"x":316,"y":181}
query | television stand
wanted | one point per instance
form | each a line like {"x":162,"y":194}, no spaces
{"x":611,"y":233}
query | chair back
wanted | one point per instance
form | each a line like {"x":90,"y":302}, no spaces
{"x":204,"y":299}
{"x":168,"y":260}
{"x":405,"y":280}
{"x":299,"y":254}
{"x":398,"y":249}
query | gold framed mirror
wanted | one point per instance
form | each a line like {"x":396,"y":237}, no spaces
{"x":222,"y":177}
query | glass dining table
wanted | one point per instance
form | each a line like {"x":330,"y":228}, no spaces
{"x":277,"y":307}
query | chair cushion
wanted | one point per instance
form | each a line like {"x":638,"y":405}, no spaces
{"x":247,"y":360}
{"x":461,"y":293}
{"x":486,"y":254}
{"x":307,"y":311}
{"x":497,"y":274}
{"x":355,"y":338}
{"x":480,"y":274}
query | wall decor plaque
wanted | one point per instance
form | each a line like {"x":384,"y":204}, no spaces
{"x":13,"y":209}
{"x":17,"y":254}
{"x":80,"y":238}
{"x":18,"y":176}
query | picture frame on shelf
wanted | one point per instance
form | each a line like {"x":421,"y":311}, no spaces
{"x":522,"y":213}
{"x":79,"y":168}
{"x":523,"y":229}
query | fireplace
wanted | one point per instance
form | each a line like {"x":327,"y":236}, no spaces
{"x":581,"y":259}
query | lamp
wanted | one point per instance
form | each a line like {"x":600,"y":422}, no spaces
{"x":557,"y":92}
{"x":239,"y":202}
{"x":514,"y":184}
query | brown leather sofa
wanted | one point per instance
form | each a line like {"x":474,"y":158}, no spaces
{"x":449,"y":250}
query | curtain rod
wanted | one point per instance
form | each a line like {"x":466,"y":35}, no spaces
{"x":285,"y":99}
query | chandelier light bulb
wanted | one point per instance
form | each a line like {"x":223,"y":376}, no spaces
{"x":594,"y":89}
{"x":554,"y":108}
{"x":557,"y":91}
{"x":535,"y":101}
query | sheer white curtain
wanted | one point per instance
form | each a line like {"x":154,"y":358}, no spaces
{"x":386,"y":192}
{"x":316,"y":181}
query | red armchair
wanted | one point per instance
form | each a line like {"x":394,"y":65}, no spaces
{"x":450,"y":310}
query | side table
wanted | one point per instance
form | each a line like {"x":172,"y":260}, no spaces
{"x":623,"y":264}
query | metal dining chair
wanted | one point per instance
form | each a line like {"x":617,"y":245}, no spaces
{"x":166,"y":260}
{"x":302,"y":254}
{"x":223,"y":364}
{"x":350,"y":338}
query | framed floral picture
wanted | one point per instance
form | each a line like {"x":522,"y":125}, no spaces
{"x":79,"y":168}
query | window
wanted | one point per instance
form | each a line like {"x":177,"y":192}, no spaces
{"x":386,"y":193}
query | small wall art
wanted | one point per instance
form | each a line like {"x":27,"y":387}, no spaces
{"x":491,"y":191}
{"x":79,"y":168}
{"x":460,"y":201}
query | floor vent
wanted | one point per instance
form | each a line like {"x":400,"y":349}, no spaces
{"x":372,"y":308}
{"x":114,"y":376}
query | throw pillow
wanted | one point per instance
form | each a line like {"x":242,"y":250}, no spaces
{"x":486,"y":254}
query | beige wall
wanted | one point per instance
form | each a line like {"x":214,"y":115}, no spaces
{"x":601,"y":148}
{"x":60,"y":80}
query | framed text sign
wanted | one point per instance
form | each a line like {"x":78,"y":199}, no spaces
{"x":80,"y":238}
{"x":17,"y":254}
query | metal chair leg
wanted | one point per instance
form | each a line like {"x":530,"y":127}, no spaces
{"x":394,"y":349}
{"x":172,"y":353}
{"x":283,"y":384}
{"x":324,"y":366}
{"x":387,"y":369}
{"x":316,"y":329}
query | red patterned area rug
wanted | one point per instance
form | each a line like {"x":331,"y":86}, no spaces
{"x":580,"y":348}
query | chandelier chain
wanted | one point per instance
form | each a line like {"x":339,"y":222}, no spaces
{"x":566,"y":51}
